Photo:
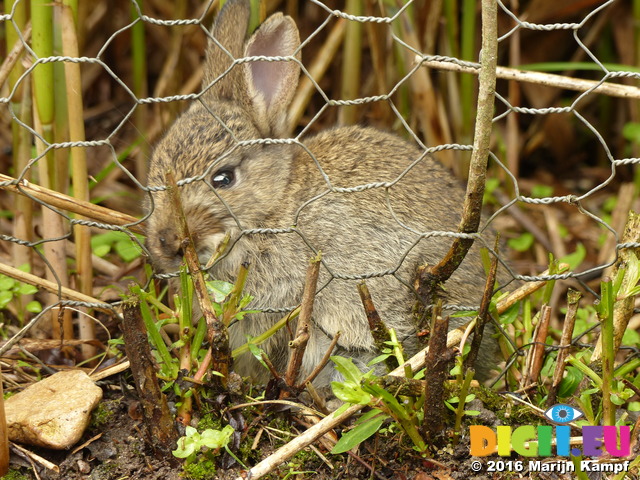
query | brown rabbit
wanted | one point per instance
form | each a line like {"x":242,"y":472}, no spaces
{"x":373,"y":204}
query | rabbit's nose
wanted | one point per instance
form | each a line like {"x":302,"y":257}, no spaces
{"x":169,"y":243}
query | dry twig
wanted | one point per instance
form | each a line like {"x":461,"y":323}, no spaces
{"x":429,"y":278}
{"x":573,"y":299}
{"x":70,"y":204}
{"x":217,"y":332}
{"x":539,"y":78}
{"x":299,"y":344}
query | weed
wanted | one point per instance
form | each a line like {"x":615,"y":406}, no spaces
{"x":12,"y":292}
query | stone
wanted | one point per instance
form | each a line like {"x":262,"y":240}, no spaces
{"x":54,"y":412}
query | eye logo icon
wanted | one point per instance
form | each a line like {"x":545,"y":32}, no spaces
{"x":562,"y":413}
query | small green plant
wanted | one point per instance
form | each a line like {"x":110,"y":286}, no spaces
{"x":610,"y":383}
{"x":203,"y":442}
{"x":11,"y":293}
{"x":122,"y":244}
{"x":293,"y":471}
{"x":361,"y":389}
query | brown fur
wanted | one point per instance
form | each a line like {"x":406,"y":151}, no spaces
{"x":293,"y":187}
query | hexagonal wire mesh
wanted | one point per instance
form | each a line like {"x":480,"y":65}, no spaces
{"x":401,"y":95}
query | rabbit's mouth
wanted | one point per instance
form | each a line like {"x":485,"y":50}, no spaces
{"x":168,"y":252}
{"x":208,"y":247}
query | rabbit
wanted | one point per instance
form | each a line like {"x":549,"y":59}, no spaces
{"x":282,"y":201}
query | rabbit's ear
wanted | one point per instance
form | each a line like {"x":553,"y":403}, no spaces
{"x":229,"y":31}
{"x":271,"y":85}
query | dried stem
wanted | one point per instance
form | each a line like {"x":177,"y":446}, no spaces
{"x":59,"y":200}
{"x":270,"y":366}
{"x":429,"y":278}
{"x":573,"y":300}
{"x":325,"y":359}
{"x":539,"y":78}
{"x":299,"y":344}
{"x":484,"y":311}
{"x":328,"y":423}
{"x":162,"y":435}
{"x":217,"y":332}
{"x":13,"y":56}
{"x":317,"y":69}
{"x":526,"y":290}
{"x":78,"y":155}
{"x":437,"y":359}
{"x":536,"y":355}
{"x":53,"y":287}
{"x":4,"y":435}
{"x":377,"y":327}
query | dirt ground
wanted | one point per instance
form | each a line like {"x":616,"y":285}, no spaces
{"x":115,"y":447}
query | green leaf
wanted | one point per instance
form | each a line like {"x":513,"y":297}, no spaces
{"x":631,"y":337}
{"x":256,"y":352}
{"x":26,"y":289}
{"x":570,"y":382}
{"x":633,"y":407}
{"x":6,"y":283}
{"x":342,"y":408}
{"x":102,"y":250}
{"x":541,"y":191}
{"x":617,"y":400}
{"x":246,"y":300}
{"x":187,"y":444}
{"x":127,"y":250}
{"x":34,"y":306}
{"x":631,"y":132}
{"x":347,"y":368}
{"x":576,"y":258}
{"x":350,"y":393}
{"x":521,"y":243}
{"x":5,"y":297}
{"x":379,"y":359}
{"x":510,"y":316}
{"x":215,"y":439}
{"x":219,"y":290}
{"x":366,"y":416}
{"x":357,"y":435}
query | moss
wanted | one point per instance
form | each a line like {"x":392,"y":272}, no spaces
{"x":200,"y":470}
{"x":16,"y":475}
{"x":210,"y":420}
{"x":104,"y":412}
{"x":518,"y":414}
{"x":105,"y":471}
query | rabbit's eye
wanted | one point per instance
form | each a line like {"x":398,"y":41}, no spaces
{"x":223,"y":179}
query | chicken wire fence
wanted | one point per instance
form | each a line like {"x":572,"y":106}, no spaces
{"x":18,"y":178}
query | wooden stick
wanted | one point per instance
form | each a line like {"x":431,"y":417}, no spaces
{"x":52,"y":287}
{"x":539,"y":78}
{"x":70,"y":204}
{"x":158,"y":419}
{"x":299,"y":344}
{"x":573,"y":300}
